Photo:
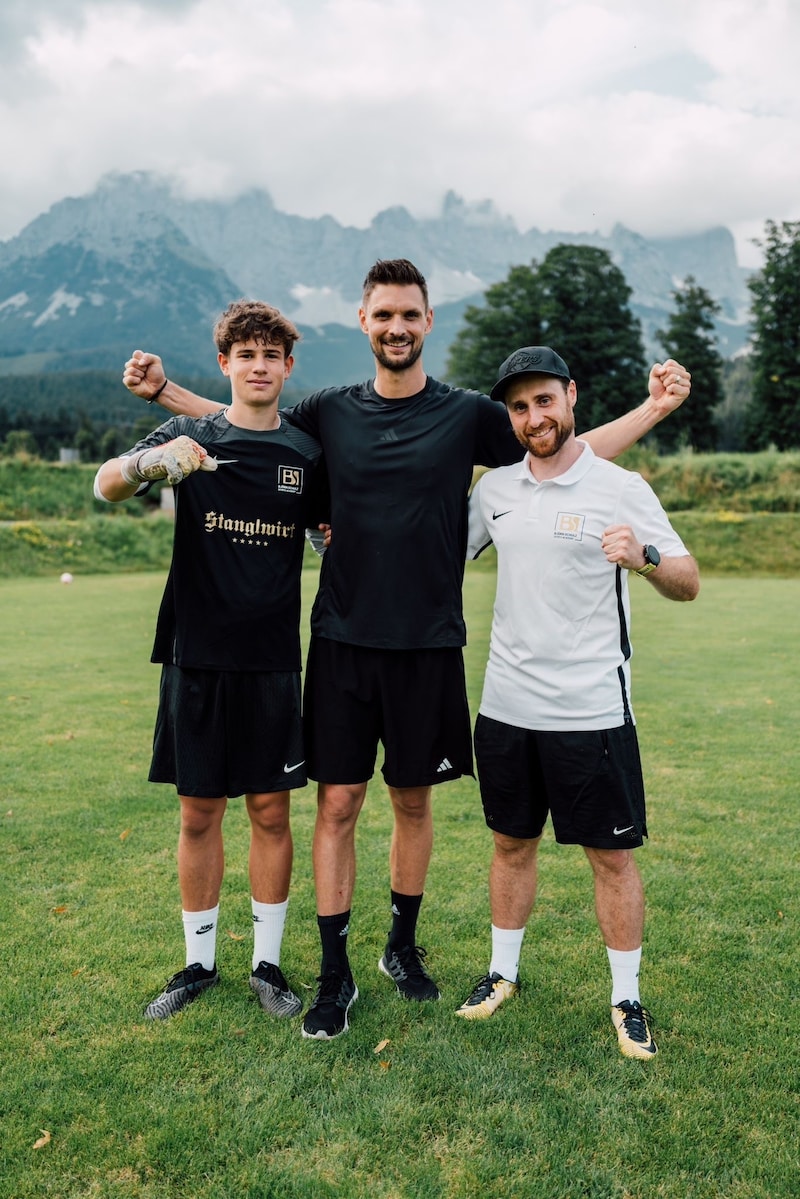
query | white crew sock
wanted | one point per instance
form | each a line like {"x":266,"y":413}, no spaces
{"x":624,"y":965}
{"x":506,"y":947}
{"x":200,"y":934}
{"x":268,"y":922}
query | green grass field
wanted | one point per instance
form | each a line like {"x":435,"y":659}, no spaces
{"x":537,"y":1103}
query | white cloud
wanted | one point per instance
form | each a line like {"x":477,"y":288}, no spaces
{"x":665,"y":115}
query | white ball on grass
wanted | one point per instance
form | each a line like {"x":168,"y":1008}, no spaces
{"x":66,"y":577}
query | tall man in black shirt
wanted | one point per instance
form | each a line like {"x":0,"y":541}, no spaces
{"x":385,"y":662}
{"x":228,"y":636}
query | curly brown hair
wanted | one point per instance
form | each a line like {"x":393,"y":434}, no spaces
{"x":250,"y":320}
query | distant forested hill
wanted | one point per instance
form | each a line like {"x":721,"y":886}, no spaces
{"x":62,"y":410}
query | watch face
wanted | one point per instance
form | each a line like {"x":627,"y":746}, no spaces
{"x":651,"y":555}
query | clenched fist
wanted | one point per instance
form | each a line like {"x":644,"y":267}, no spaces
{"x":173,"y":461}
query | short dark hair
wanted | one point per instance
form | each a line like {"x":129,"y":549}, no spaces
{"x":395,"y":270}
{"x":250,"y":320}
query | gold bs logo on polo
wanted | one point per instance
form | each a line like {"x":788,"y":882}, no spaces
{"x":569,"y":526}
{"x":290,"y":478}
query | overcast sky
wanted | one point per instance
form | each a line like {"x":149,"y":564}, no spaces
{"x":669,"y":116}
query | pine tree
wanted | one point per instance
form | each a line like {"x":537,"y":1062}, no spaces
{"x":690,"y":339}
{"x":773,"y":416}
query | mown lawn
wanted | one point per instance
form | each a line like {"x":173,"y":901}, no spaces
{"x":222,"y":1103}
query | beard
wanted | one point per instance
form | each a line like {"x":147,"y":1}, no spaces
{"x":546,"y":446}
{"x":397,"y":364}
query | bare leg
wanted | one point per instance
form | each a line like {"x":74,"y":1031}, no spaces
{"x":334,"y":849}
{"x":412,"y":838}
{"x":512,"y":880}
{"x":619,"y":901}
{"x":618,"y":897}
{"x":201,"y":859}
{"x":271,"y":847}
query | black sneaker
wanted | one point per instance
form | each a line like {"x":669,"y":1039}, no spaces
{"x":327,"y":1016}
{"x":632,"y":1023}
{"x":181,"y":990}
{"x":404,"y":966}
{"x":274,"y":993}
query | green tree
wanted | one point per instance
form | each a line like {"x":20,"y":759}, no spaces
{"x":144,"y":424}
{"x":774,"y":413}
{"x":20,"y":442}
{"x":112,"y":443}
{"x":586,"y":317}
{"x":737,"y":383}
{"x":507,"y":319}
{"x":690,"y":339}
{"x":86,"y":440}
{"x":577,"y":302}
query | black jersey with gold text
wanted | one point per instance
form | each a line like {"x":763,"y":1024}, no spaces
{"x":232,"y":598}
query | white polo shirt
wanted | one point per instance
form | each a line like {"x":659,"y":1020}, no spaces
{"x":559,"y":655}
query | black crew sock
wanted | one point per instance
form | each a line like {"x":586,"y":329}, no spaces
{"x":405,"y":910}
{"x":333,"y":932}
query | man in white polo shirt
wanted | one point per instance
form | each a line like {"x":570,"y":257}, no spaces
{"x":555,"y":733}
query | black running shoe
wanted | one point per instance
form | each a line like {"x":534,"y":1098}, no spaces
{"x":274,"y":993}
{"x":327,"y":1016}
{"x":181,"y":990}
{"x":404,"y":966}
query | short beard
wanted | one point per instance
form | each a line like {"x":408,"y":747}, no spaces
{"x":391,"y":364}
{"x":563,"y":432}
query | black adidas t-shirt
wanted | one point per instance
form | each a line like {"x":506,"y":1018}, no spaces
{"x":232,"y":599}
{"x":399,"y":475}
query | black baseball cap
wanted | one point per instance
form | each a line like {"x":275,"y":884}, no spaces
{"x":530,"y":360}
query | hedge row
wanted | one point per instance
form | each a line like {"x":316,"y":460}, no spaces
{"x":724,"y":542}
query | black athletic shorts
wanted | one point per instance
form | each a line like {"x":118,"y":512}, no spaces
{"x":589,"y":782}
{"x":223,"y":732}
{"x":413,"y":701}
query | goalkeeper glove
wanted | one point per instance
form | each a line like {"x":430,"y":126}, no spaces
{"x":172,"y":461}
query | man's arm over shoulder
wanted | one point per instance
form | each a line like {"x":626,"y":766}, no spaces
{"x":495,"y":442}
{"x":668,"y":386}
{"x":305,"y":414}
{"x":145,"y":376}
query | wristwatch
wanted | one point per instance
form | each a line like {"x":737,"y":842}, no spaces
{"x":651,"y":560}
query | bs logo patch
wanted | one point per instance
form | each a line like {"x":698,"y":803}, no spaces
{"x":569,"y":526}
{"x":290,"y":478}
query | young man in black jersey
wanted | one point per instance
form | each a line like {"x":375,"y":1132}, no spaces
{"x":385,"y":663}
{"x":228,"y":638}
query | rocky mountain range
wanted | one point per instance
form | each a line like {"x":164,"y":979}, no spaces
{"x":134,"y":264}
